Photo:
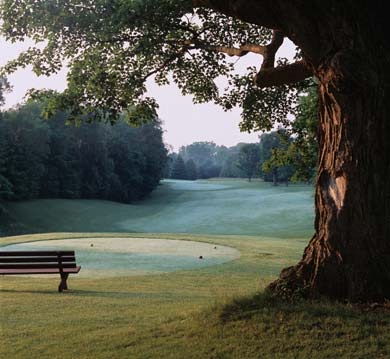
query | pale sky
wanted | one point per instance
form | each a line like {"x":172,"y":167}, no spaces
{"x":183,"y":122}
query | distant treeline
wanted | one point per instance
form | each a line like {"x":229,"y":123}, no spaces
{"x":268,"y":159}
{"x":51,"y":159}
{"x":279,"y":156}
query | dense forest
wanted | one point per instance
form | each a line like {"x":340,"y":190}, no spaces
{"x":52,"y":159}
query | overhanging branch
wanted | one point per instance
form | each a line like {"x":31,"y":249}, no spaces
{"x":271,"y":49}
{"x":295,"y":18}
{"x":269,"y":75}
{"x":283,"y":75}
{"x":196,"y":44}
{"x":238,"y":51}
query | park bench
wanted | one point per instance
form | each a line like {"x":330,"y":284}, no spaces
{"x":39,"y":262}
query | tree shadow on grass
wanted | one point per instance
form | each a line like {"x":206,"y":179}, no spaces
{"x":265,"y":305}
{"x":91,"y":293}
{"x":32,"y":291}
{"x":109,"y":294}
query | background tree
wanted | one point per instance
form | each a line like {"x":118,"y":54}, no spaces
{"x":268,"y":142}
{"x":192,"y":172}
{"x":169,"y":163}
{"x":26,"y":148}
{"x":249,"y":160}
{"x":5,"y":185}
{"x":4,"y":88}
{"x":303,"y":151}
{"x":154,"y":152}
{"x":205,"y":157}
{"x":126,"y":151}
{"x":297,"y":149}
{"x":343,"y":44}
{"x":276,"y":164}
{"x":211,"y":160}
{"x":61,"y":178}
{"x":179,"y":170}
{"x":230,"y":168}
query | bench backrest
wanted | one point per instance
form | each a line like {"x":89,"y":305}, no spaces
{"x":37,"y":259}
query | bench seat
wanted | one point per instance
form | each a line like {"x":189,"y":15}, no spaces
{"x":39,"y":271}
{"x":39,"y":262}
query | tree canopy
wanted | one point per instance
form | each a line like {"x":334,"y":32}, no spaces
{"x":50,"y":159}
{"x":4,"y":87}
{"x":179,"y":170}
{"x":113,"y":47}
{"x":249,"y":160}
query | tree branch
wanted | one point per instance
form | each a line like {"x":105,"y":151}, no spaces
{"x":195,"y":44}
{"x":271,"y":49}
{"x":293,"y":17}
{"x":174,"y":56}
{"x":238,"y":51}
{"x":283,"y":75}
{"x":267,"y":51}
{"x":268,"y":74}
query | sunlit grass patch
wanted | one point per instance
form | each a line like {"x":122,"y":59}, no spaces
{"x":213,"y":312}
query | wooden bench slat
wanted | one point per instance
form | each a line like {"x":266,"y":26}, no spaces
{"x":35,"y":253}
{"x":36,"y":259}
{"x":39,"y":271}
{"x":34,"y":265}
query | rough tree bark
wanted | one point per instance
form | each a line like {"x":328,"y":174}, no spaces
{"x":348,"y":257}
{"x":346,"y":48}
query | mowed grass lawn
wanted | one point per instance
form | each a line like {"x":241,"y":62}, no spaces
{"x":206,"y":207}
{"x":214,"y":312}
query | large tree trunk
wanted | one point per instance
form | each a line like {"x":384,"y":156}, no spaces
{"x":346,"y":45}
{"x":349,"y":255}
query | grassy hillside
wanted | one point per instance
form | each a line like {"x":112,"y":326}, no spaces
{"x":203,"y":207}
{"x":213,"y":312}
{"x":217,"y":311}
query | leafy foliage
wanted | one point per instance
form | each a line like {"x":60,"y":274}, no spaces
{"x":179,"y":170}
{"x":303,"y":152}
{"x":192,"y":171}
{"x":298,"y":147}
{"x":112,"y":47}
{"x":245,"y":160}
{"x":4,"y":87}
{"x":274,"y":164}
{"x":54,"y":160}
{"x":248,"y":159}
{"x":205,"y":156}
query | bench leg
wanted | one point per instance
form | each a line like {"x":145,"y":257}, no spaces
{"x":63,"y":285}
